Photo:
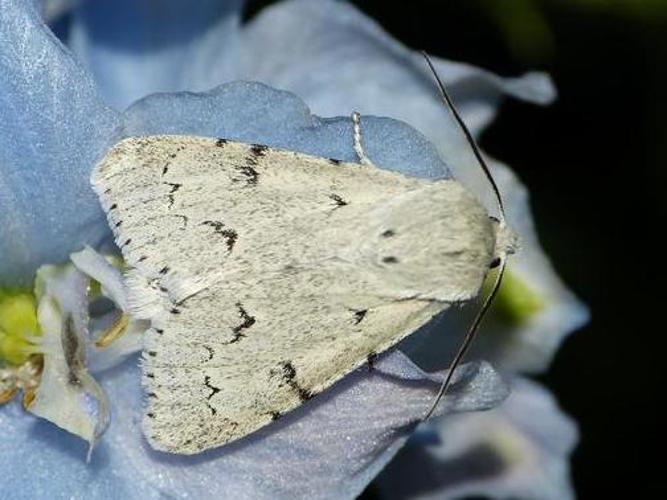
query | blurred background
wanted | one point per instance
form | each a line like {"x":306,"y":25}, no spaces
{"x":593,"y":162}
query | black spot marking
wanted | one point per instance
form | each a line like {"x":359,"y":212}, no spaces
{"x":258,"y":150}
{"x":173,"y":310}
{"x":165,"y":169}
{"x":164,"y":270}
{"x":163,"y":289}
{"x":289,"y":374}
{"x":495,"y":263}
{"x":371,"y":359}
{"x":107,"y":190}
{"x":213,"y":410}
{"x":142,"y":258}
{"x":340,"y":202}
{"x":152,"y":354}
{"x":159,"y":331}
{"x":390,"y":260}
{"x":275,"y":415}
{"x":151,"y":395}
{"x":359,"y":316}
{"x":221,"y":142}
{"x":118,"y":224}
{"x":150,"y":375}
{"x":211,"y":352}
{"x":388,"y":233}
{"x":127,"y":242}
{"x":494,"y":219}
{"x":229,"y":235}
{"x":150,"y":415}
{"x":251,"y":175}
{"x":334,"y":161}
{"x":113,"y":207}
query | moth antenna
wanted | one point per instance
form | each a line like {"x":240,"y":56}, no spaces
{"x":470,"y":336}
{"x":469,"y":137}
{"x":474,"y":327}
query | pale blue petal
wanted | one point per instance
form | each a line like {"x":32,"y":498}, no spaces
{"x":134,"y":48}
{"x":52,"y":129}
{"x":339,"y":60}
{"x":518,"y":450}
{"x":253,"y":112}
{"x":331,"y":447}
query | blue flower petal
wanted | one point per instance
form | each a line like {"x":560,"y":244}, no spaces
{"x":254,"y":113}
{"x":52,"y":128}
{"x":518,"y":450}
{"x":134,"y":48}
{"x":329,"y":448}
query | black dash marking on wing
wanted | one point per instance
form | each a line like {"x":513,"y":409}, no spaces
{"x":248,"y":321}
{"x":388,"y":233}
{"x":275,"y":415}
{"x":150,"y":415}
{"x":340,"y":202}
{"x":127,"y":242}
{"x":390,"y":260}
{"x":229,"y":235}
{"x":335,"y":161}
{"x":221,"y":142}
{"x":359,"y":316}
{"x":164,"y":270}
{"x":152,"y":354}
{"x":258,"y":150}
{"x":142,"y":258}
{"x":174,"y":310}
{"x":251,"y":175}
{"x":371,"y":359}
{"x":159,"y":331}
{"x":174,"y":187}
{"x":113,"y":207}
{"x":211,"y":352}
{"x":151,"y":395}
{"x":118,"y":224}
{"x":165,"y":169}
{"x":289,"y":374}
{"x":214,"y":389}
{"x":150,"y":375}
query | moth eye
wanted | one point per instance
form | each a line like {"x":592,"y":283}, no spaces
{"x":494,"y":263}
{"x":390,"y":260}
{"x":388,"y":233}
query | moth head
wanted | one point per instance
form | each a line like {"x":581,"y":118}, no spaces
{"x":507,"y":241}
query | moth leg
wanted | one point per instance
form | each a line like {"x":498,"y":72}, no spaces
{"x":358,"y":147}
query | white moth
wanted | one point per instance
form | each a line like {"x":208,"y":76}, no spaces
{"x":268,"y":275}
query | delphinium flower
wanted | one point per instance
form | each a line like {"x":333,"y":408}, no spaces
{"x":57,"y":119}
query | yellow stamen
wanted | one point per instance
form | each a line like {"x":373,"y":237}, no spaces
{"x":18,"y":323}
{"x":114,"y":332}
{"x":516,"y":302}
{"x":28,"y":398}
{"x":7,"y":395}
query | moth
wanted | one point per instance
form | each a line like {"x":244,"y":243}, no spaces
{"x":268,"y":275}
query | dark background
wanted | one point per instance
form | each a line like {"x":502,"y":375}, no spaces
{"x":593,"y":163}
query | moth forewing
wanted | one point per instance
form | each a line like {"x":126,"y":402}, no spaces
{"x":268,"y":275}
